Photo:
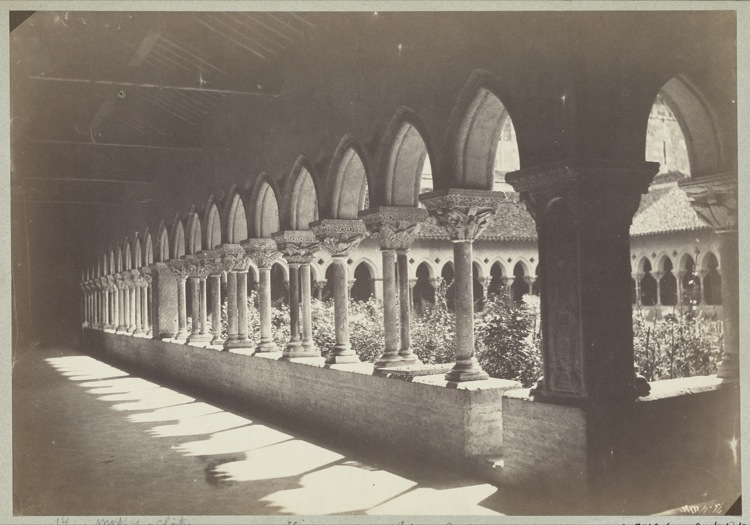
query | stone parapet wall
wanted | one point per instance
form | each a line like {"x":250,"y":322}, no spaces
{"x":423,"y":417}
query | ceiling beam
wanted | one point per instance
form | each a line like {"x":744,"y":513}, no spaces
{"x":117,"y":145}
{"x":75,"y":179}
{"x":152,"y":85}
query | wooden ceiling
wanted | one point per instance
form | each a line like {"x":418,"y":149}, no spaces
{"x":98,"y":99}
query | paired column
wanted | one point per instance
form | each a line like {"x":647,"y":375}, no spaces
{"x":583,"y":212}
{"x":264,"y":253}
{"x":637,"y":276}
{"x":138,"y":288}
{"x":298,"y":248}
{"x":122,"y":294}
{"x":395,"y":228}
{"x":714,"y":198}
{"x":179,"y":270}
{"x":463,"y":215}
{"x":339,"y":237}
{"x":197,"y":282}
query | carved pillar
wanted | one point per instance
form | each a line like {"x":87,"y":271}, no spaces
{"x":242,"y":338}
{"x":232,"y":322}
{"x":198,"y":273}
{"x":179,"y":270}
{"x":298,"y":248}
{"x":215,"y":282}
{"x":463,"y":215}
{"x":114,"y":316}
{"x":339,"y":237}
{"x":714,"y":199}
{"x":583,"y":213}
{"x":264,"y":253}
{"x":138,"y":290}
{"x":395,"y":228}
{"x":122,"y":294}
{"x":145,"y":311}
{"x":129,"y":303}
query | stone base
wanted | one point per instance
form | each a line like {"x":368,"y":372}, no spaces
{"x":217,"y":340}
{"x":333,"y":359}
{"x":238,"y":343}
{"x":265,"y":347}
{"x":299,"y":353}
{"x":199,"y":338}
{"x":466,"y":370}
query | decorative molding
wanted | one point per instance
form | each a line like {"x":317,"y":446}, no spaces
{"x":714,"y":199}
{"x":339,"y":236}
{"x":177,"y":267}
{"x":462,"y":214}
{"x":297,"y":246}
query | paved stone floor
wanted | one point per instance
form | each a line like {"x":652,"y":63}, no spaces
{"x":90,"y":439}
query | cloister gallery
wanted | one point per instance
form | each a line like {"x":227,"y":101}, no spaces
{"x":587,"y":158}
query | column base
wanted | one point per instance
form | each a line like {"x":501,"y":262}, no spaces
{"x":199,"y":338}
{"x":139,"y":331}
{"x":410,"y":360}
{"x":238,"y":343}
{"x":217,"y":340}
{"x":388,"y":359}
{"x":121,"y":329}
{"x":265,"y":347}
{"x":168,"y":335}
{"x":300,"y":352}
{"x":466,"y":370}
{"x":338,"y":359}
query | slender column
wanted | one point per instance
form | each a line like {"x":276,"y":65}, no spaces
{"x":138,"y":290}
{"x":298,"y":247}
{"x":508,"y":289}
{"x":105,"y":296}
{"x":95,"y":302}
{"x":128,"y":306}
{"x":145,"y":324}
{"x":714,"y":198}
{"x":530,"y":280}
{"x":122,"y":294}
{"x":264,"y":253}
{"x":232,"y":327}
{"x":149,"y":307}
{"x":637,"y":278}
{"x":657,"y":276}
{"x":320,"y":284}
{"x":242,"y":337}
{"x":339,"y":237}
{"x":405,"y":299}
{"x":395,"y":228}
{"x":583,"y":212}
{"x":216,"y":309}
{"x":195,"y":307}
{"x":203,"y":312}
{"x":181,"y":334}
{"x":308,"y":346}
{"x":680,"y":290}
{"x":466,"y":366}
{"x":702,"y":274}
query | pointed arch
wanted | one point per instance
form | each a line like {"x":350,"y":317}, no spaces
{"x":480,"y":134}
{"x":264,"y":215}
{"x":127,"y":259}
{"x":148,"y":249}
{"x":300,"y":197}
{"x":192,"y":233}
{"x":235,"y":218}
{"x":136,"y":252}
{"x":178,"y":246}
{"x":211,"y":225}
{"x":161,"y":252}
{"x":347,"y":181}
{"x":705,"y":146}
{"x":401,"y":159}
{"x":112,"y":264}
{"x":119,"y":259}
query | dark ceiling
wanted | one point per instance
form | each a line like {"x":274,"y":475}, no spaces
{"x":97,"y":99}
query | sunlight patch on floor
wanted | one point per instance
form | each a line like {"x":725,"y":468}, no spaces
{"x":84,"y":368}
{"x":339,"y":488}
{"x":243,"y":439}
{"x":117,"y":386}
{"x":153,"y":399}
{"x":457,"y":502}
{"x":174,"y":413}
{"x":207,"y":424}
{"x":290,"y":458}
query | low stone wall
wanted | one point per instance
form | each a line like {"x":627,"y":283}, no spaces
{"x":671,"y":448}
{"x":425,"y":416}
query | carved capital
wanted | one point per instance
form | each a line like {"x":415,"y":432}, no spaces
{"x":339,"y":236}
{"x":393,"y":227}
{"x":263,"y":252}
{"x":194,"y":266}
{"x":597,"y":191}
{"x":225,"y":258}
{"x":177,"y":267}
{"x":714,"y":199}
{"x":297,"y":246}
{"x":462,"y":214}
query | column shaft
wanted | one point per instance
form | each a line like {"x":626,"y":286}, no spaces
{"x":181,"y":310}
{"x":203,"y":311}
{"x":242,"y":328}
{"x":404,"y":292}
{"x":390,"y":355}
{"x":231,"y":310}
{"x":308,"y":346}
{"x":138,"y":303}
{"x":195,"y":303}
{"x":728,"y":250}
{"x":342,"y":351}
{"x":293,"y":347}
{"x":266,"y":343}
{"x":144,"y":309}
{"x":216,"y":309}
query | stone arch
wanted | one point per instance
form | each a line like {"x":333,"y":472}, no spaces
{"x":148,"y":249}
{"x":178,"y":248}
{"x":423,"y":291}
{"x":265,"y":212}
{"x":137,"y":252}
{"x":364,"y":285}
{"x":478,"y":122}
{"x":667,"y":281}
{"x":705,"y":146}
{"x":498,"y":271}
{"x":643,"y":262}
{"x":691,"y":283}
{"x":127,"y":259}
{"x":161,"y":253}
{"x":711,"y":279}
{"x":235,"y":218}
{"x":648,"y":283}
{"x":211,"y":225}
{"x":193,"y":234}
{"x":347,"y":181}
{"x":279,"y":281}
{"x":112,"y":265}
{"x":401,"y":158}
{"x":520,"y":287}
{"x":119,"y":259}
{"x":373,"y":268}
{"x":300,"y":197}
{"x":477,"y":273}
